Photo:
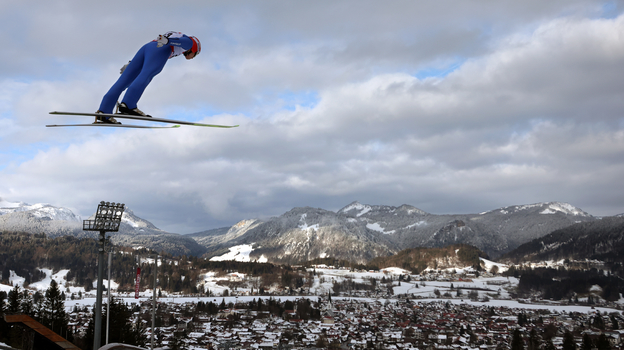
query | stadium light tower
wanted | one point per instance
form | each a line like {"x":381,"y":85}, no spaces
{"x":107,"y":219}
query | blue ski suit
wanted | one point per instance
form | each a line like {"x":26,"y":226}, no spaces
{"x":146,"y":64}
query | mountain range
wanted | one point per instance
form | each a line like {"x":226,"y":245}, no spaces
{"x":360,"y":232}
{"x":357,"y":232}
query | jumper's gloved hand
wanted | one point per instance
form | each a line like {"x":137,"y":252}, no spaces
{"x":124,"y":67}
{"x":162,"y":40}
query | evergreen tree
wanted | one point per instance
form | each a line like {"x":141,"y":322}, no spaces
{"x":14,"y":334}
{"x":3,"y":297}
{"x":122,"y":329}
{"x":603,"y":342}
{"x":598,"y":322}
{"x":534,"y":341}
{"x":37,"y":300}
{"x":568,"y":341}
{"x":14,"y":300}
{"x":26,"y":304}
{"x":4,"y":327}
{"x":614,"y":322}
{"x":517,"y":343}
{"x":53,"y":313}
{"x":521,"y":319}
{"x":550,"y":330}
{"x":138,"y":335}
{"x":587,"y":342}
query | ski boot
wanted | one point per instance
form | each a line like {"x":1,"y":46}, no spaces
{"x":105,"y":120}
{"x":123,"y":109}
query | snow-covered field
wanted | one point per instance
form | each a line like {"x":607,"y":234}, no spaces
{"x":421,"y":289}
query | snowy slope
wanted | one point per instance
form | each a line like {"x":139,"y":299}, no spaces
{"x":238,"y":253}
{"x":59,"y":277}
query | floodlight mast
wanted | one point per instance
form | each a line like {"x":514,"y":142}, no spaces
{"x":107,"y":219}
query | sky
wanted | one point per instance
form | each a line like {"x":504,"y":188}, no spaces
{"x":450,"y":106}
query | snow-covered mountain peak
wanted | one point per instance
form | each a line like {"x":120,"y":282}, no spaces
{"x":9,"y":205}
{"x":136,"y":222}
{"x":565,"y":208}
{"x":410,"y":210}
{"x":38,"y":210}
{"x":356,"y":209}
{"x":133,"y":221}
{"x":542,"y":208}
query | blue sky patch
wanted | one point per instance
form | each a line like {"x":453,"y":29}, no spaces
{"x":304,"y":99}
{"x":439,"y":71}
{"x":610,"y":9}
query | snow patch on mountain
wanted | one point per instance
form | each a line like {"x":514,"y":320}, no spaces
{"x":376,"y":227}
{"x":134,"y":224}
{"x":238,"y":253}
{"x":5,"y":288}
{"x":419,"y":223}
{"x":363,"y":209}
{"x":60,"y":278}
{"x":412,"y":211}
{"x":395,"y":271}
{"x":129,"y":218}
{"x":488,"y":264}
{"x":14,"y":279}
{"x":304,"y":226}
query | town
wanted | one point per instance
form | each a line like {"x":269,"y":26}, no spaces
{"x":431,"y":311}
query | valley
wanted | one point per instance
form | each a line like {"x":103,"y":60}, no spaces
{"x":310,"y":278}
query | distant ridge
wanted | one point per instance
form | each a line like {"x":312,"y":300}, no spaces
{"x":596,"y":240}
{"x":357,"y":232}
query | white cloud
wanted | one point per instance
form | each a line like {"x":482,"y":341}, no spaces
{"x":529,"y":111}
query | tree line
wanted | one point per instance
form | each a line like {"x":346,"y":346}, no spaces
{"x":568,"y":284}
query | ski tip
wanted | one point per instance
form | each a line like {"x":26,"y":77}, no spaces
{"x":215,"y":126}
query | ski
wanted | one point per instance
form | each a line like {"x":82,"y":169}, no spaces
{"x":117,"y":126}
{"x":147,"y":119}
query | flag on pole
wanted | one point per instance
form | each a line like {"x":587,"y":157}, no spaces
{"x":138,"y":283}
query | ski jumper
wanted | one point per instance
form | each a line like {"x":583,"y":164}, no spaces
{"x":146,"y":64}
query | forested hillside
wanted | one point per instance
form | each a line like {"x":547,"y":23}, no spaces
{"x":598,"y":240}
{"x":24,"y":253}
{"x":418,"y":259}
{"x":570,"y":284}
